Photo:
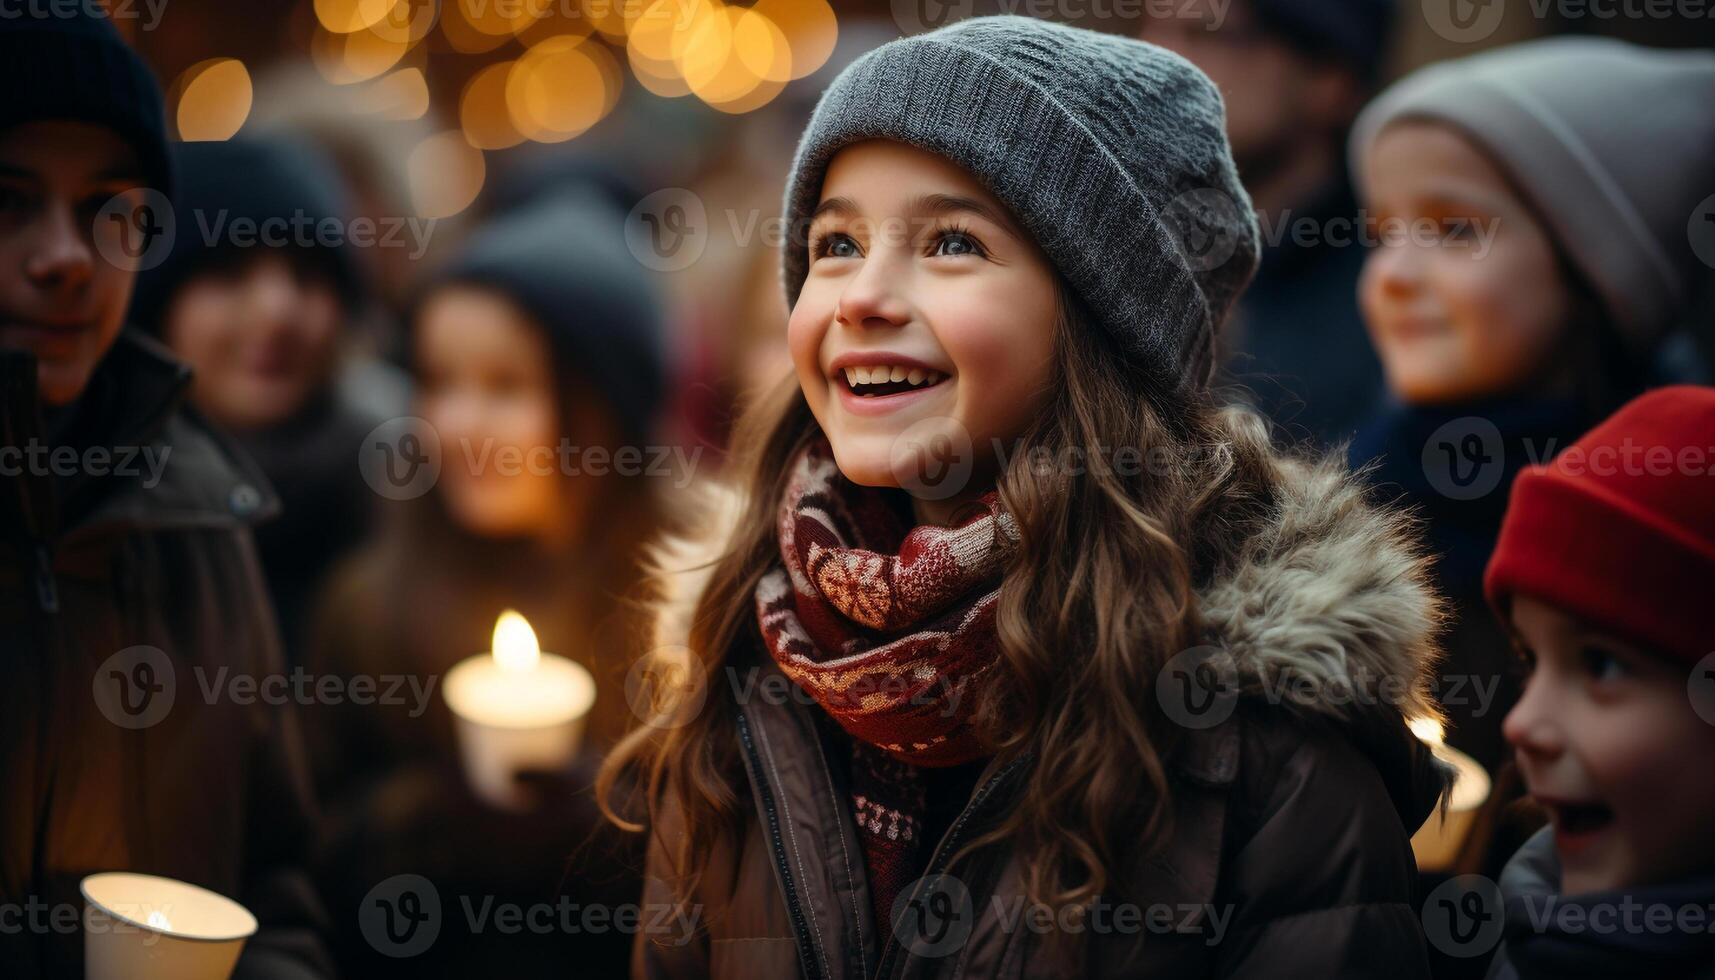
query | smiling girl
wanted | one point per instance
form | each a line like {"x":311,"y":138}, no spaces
{"x":958,"y":681}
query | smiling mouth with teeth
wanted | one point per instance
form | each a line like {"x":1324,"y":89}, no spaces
{"x":875,"y":382}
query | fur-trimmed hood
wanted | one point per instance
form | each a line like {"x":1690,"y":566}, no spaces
{"x":1326,"y":612}
{"x":1293,"y":818}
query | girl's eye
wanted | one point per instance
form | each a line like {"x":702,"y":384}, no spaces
{"x":1524,"y":665}
{"x":957,"y":243}
{"x":835,"y":245}
{"x":1602,"y":665}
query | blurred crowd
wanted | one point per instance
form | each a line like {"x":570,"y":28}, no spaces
{"x":1451,"y":288}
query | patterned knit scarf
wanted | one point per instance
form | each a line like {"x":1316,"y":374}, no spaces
{"x":891,"y":629}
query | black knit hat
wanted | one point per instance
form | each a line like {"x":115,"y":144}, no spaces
{"x":564,"y":261}
{"x":1355,"y":31}
{"x":255,"y":181}
{"x":66,"y":60}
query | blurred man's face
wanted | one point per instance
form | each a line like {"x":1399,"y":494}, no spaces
{"x":261,"y":337}
{"x":1275,"y":95}
{"x":58,"y":297}
{"x":1260,"y":77}
{"x":1454,"y":321}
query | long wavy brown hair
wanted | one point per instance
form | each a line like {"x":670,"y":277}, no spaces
{"x":1099,"y":595}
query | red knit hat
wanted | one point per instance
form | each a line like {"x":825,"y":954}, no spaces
{"x":1620,"y":528}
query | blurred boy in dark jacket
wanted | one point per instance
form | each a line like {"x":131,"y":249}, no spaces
{"x":129,"y":591}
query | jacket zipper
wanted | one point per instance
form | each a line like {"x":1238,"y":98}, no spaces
{"x":892,"y":965}
{"x":807,"y":952}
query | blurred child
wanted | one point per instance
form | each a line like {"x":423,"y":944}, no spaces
{"x":940,"y":668}
{"x":1603,"y":574}
{"x":127,"y":568}
{"x":538,"y":353}
{"x":1534,"y":262}
{"x":255,"y":296}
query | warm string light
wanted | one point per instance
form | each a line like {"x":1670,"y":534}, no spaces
{"x":568,"y":77}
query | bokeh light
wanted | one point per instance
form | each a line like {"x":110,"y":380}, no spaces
{"x":356,"y":57}
{"x":214,"y":100}
{"x":811,"y":30}
{"x":346,"y":16}
{"x":445,"y":174}
{"x":483,"y":116}
{"x":404,"y":94}
{"x":560,"y":88}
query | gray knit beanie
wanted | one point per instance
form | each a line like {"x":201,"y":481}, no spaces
{"x":1612,"y":144}
{"x":1111,"y":152}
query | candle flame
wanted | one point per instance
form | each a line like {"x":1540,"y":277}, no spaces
{"x":515,"y":646}
{"x":159,"y":920}
{"x":1427,"y":730}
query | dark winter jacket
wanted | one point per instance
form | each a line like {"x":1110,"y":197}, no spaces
{"x":1455,"y":466}
{"x":1664,"y":932}
{"x":124,"y":598}
{"x":1289,"y":854}
{"x":1297,"y":342}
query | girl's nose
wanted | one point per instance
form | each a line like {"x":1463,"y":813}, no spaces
{"x":1396,"y":268}
{"x":873,"y":297}
{"x":1531,"y":726}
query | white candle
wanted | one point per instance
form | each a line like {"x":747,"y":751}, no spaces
{"x":140,"y":927}
{"x":516,"y":708}
{"x":1437,"y":842}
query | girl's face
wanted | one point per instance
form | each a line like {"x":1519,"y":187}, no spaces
{"x":487,"y":387}
{"x":1607,"y":739}
{"x":261,"y":336}
{"x":926,"y":322}
{"x":1464,"y":298}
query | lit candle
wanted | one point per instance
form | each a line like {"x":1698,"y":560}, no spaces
{"x":516,"y":708}
{"x":140,"y":927}
{"x":1437,"y":842}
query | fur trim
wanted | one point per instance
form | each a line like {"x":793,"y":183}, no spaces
{"x":1327,"y":610}
{"x":682,"y":564}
